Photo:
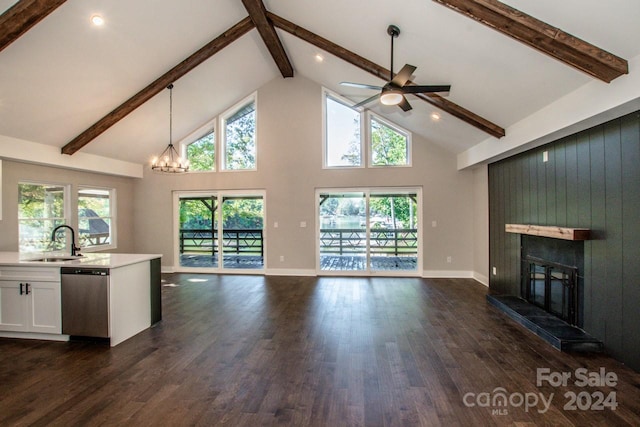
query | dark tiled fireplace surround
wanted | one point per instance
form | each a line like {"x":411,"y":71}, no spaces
{"x":550,"y":303}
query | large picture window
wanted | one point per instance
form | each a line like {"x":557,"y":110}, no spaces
{"x":41,"y":208}
{"x":96,"y":218}
{"x":239,"y":139}
{"x":349,"y":133}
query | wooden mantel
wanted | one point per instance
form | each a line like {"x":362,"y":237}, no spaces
{"x":565,"y":233}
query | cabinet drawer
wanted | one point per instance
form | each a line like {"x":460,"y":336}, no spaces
{"x":45,"y":274}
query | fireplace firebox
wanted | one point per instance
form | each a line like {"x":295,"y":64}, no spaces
{"x":553,"y":287}
{"x":551,"y":274}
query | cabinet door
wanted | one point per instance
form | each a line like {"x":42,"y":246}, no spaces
{"x":13,"y":306}
{"x":45,"y":308}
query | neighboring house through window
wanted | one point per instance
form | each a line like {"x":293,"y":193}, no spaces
{"x":96,"y":218}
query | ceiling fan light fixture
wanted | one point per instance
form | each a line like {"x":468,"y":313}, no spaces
{"x":391,"y":97}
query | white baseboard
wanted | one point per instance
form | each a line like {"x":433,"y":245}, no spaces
{"x":289,"y":272}
{"x":447,"y":274}
{"x":481,"y":278}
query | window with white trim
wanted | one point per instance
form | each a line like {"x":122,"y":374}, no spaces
{"x":96,"y":218}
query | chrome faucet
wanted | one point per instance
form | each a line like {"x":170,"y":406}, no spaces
{"x":74,"y":248}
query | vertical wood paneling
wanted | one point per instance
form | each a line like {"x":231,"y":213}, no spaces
{"x":613,"y":229}
{"x":550,"y":186}
{"x":592,"y":180}
{"x":560,"y":175}
{"x":584,"y":217}
{"x":630,"y":154}
{"x":541,"y":189}
{"x":598,"y":232}
{"x":533,"y":189}
{"x":571,"y":174}
{"x":526,"y":191}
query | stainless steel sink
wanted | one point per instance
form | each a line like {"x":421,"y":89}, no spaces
{"x":53,"y":259}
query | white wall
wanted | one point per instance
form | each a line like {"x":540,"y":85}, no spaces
{"x":290,"y":169}
{"x":481,"y":224}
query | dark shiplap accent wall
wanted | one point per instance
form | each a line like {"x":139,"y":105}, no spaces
{"x":592,"y":180}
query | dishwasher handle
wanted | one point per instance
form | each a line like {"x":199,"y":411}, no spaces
{"x":85,"y":271}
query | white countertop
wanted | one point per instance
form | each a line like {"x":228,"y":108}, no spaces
{"x":104,"y":260}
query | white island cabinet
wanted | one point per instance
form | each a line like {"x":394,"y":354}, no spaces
{"x":30,"y":300}
{"x":30,"y":294}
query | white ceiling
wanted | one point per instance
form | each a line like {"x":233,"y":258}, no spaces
{"x":64,"y":75}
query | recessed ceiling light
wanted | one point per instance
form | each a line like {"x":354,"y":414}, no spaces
{"x":319,"y":58}
{"x":435,"y":117}
{"x":97,"y":20}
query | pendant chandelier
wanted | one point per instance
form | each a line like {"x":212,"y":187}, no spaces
{"x":170,"y":161}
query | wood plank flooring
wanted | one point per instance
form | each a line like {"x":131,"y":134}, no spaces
{"x":291,"y":351}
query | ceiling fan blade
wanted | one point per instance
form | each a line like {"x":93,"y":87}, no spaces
{"x":403,"y":75}
{"x":366,"y":101}
{"x":426,"y":89}
{"x":404,"y":104}
{"x":361,"y":85}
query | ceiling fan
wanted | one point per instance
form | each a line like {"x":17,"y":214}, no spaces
{"x":392,"y":93}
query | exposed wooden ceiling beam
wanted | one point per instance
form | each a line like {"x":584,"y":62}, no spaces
{"x":23,"y":15}
{"x":381,"y":72}
{"x":204,"y":53}
{"x":258,"y":14}
{"x":543,"y":37}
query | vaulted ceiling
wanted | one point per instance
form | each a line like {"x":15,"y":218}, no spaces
{"x":61,"y":75}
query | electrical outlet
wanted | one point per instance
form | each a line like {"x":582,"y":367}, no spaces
{"x":275,"y":224}
{"x":281,"y":258}
{"x":434,"y":224}
{"x":303,"y":224}
{"x":449,"y":259}
{"x":495,"y":271}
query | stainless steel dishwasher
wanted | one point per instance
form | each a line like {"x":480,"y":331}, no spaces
{"x":85,"y":301}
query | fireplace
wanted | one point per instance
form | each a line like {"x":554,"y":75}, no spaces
{"x":553,"y":287}
{"x":550,"y":303}
{"x":551,"y":276}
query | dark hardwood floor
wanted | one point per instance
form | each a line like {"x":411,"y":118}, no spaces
{"x":253,"y":350}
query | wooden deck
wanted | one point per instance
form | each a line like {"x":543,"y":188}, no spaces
{"x":327,"y":262}
{"x":243,"y":350}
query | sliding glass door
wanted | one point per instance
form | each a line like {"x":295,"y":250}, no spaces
{"x":219,"y":231}
{"x":371,"y":231}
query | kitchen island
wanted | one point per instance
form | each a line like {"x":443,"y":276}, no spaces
{"x":31,"y":301}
